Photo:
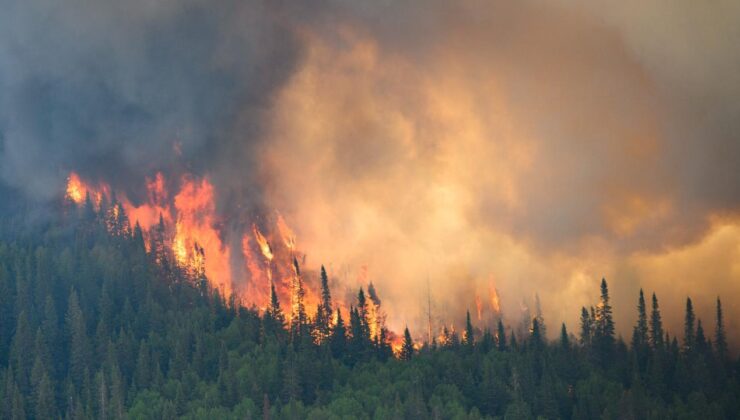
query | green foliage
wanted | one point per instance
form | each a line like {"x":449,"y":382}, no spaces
{"x":92,"y":325}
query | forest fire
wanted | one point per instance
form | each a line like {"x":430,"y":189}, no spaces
{"x":180,"y":224}
{"x":184,"y":228}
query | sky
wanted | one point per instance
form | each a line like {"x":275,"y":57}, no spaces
{"x":441,"y":149}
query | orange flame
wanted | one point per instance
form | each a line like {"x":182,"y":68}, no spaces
{"x":76,"y":189}
{"x":262,"y":242}
{"x":478,"y":305}
{"x":495,"y":303}
{"x":196,"y":220}
{"x":286,"y":233}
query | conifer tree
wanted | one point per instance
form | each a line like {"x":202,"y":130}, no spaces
{"x":640,"y":332}
{"x":719,"y":333}
{"x":656,"y":325}
{"x":362,"y":313}
{"x":535,"y":334}
{"x":407,"y":347}
{"x":689,"y":328}
{"x":469,"y":338}
{"x":338,"y":340}
{"x":564,"y":340}
{"x":298,"y":317}
{"x":538,"y":314}
{"x":586,"y":327}
{"x":274,"y":311}
{"x":323,"y":310}
{"x":702,"y":345}
{"x":604,"y":322}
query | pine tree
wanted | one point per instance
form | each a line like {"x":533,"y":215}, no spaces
{"x":407,"y":347}
{"x":535,"y":334}
{"x":719,"y":333}
{"x":358,"y":341}
{"x":324,"y":310}
{"x":640,"y":332}
{"x":604,"y":320}
{"x":564,"y":340}
{"x":298,"y":317}
{"x":702,"y":345}
{"x":274,"y":314}
{"x":656,"y":325}
{"x":469,"y":339}
{"x":338,"y":339}
{"x":689,"y":331}
{"x":586,"y":327}
{"x":539,"y":315}
{"x":362,"y":313}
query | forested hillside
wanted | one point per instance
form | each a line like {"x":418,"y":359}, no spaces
{"x":92,"y":325}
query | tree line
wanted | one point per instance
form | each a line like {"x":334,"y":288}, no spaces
{"x":94,"y":324}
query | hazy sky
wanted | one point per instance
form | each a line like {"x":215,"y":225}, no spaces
{"x":530,"y":146}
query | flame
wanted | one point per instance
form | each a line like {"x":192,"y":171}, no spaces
{"x":286,"y":233}
{"x":262,"y":242}
{"x":478,"y":305}
{"x":190,"y":237}
{"x":494,"y":299}
{"x":195,"y":229}
{"x":147,"y":214}
{"x":76,"y":189}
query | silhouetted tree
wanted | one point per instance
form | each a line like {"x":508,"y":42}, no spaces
{"x":469,"y":339}
{"x":656,"y":325}
{"x":689,"y":340}
{"x":719,"y":333}
{"x":407,"y":347}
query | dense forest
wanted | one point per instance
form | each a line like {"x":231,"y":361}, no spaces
{"x":96,"y":322}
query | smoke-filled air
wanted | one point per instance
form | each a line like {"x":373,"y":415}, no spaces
{"x":497,"y":157}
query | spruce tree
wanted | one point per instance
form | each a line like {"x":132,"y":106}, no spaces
{"x":640,"y":332}
{"x":469,"y":338}
{"x":362,"y":313}
{"x":586,"y":327}
{"x":719,"y":333}
{"x":538,"y":314}
{"x":323,"y":310}
{"x":338,"y":339}
{"x":689,"y":340}
{"x":564,"y":340}
{"x":656,"y":325}
{"x":298,"y":317}
{"x":274,"y":315}
{"x":407,"y":347}
{"x":535,"y":334}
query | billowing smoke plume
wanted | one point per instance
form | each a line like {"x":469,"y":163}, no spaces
{"x":120,"y":90}
{"x":488,"y":149}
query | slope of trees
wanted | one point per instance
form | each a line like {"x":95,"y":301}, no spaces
{"x":92,"y":325}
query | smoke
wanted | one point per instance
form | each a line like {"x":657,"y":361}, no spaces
{"x":117,"y":91}
{"x":524,"y":147}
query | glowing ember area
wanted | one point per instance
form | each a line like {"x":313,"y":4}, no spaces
{"x":262,"y":242}
{"x":286,"y":233}
{"x":75,"y":188}
{"x":185,"y":229}
{"x":494,"y":299}
{"x":478,"y":306}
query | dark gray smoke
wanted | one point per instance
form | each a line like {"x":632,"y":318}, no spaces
{"x":113,"y":89}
